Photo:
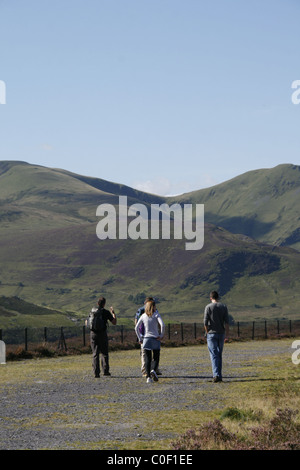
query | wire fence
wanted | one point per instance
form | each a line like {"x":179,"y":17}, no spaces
{"x":64,"y":338}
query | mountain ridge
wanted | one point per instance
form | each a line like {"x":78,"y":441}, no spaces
{"x":263,"y":204}
{"x":50,"y":254}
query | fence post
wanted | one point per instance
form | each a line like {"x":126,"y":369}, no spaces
{"x":45,"y":334}
{"x":62,"y":342}
{"x":181,"y":329}
{"x":253,"y":330}
{"x":169,"y":331}
{"x":0,"y":334}
{"x":122,"y":334}
{"x":278,"y":327}
{"x":238,"y":332}
{"x":83,"y":334}
{"x":290,"y":326}
{"x":195,"y":330}
{"x":266,"y":329}
{"x":26,"y":342}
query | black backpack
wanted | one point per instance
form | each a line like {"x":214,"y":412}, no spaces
{"x":96,"y":321}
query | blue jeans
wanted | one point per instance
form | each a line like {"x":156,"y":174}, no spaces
{"x":215,"y":343}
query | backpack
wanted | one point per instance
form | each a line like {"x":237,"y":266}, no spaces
{"x":96,"y":322}
{"x":138,"y":314}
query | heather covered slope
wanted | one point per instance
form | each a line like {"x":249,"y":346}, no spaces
{"x":50,"y":255}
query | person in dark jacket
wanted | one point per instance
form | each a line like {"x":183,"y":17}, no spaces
{"x":99,"y":339}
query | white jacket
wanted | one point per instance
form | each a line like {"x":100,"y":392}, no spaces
{"x":151,"y":326}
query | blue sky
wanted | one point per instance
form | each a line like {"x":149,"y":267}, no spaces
{"x":167,"y":96}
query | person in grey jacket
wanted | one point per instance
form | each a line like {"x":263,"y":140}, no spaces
{"x":151,"y":338}
{"x":216,"y":325}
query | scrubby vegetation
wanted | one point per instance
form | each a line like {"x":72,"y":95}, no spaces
{"x":281,"y":432}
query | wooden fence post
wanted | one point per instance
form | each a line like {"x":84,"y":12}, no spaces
{"x":253,"y":329}
{"x":45,"y":334}
{"x":62,"y":342}
{"x":181,"y":329}
{"x":169,"y":331}
{"x":83,"y":334}
{"x":266,"y":329}
{"x":122,"y":334}
{"x":195,"y":330}
{"x":26,"y":339}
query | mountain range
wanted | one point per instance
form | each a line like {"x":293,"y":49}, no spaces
{"x":51,"y":257}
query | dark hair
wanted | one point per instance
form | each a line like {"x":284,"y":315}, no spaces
{"x":101,"y":302}
{"x":214,"y":295}
{"x":148,"y":299}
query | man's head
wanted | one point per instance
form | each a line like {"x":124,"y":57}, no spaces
{"x":214,"y":295}
{"x":101,"y":302}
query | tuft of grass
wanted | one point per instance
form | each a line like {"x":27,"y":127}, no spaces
{"x":237,"y":414}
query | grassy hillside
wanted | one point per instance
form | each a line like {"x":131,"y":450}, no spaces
{"x":263,"y":204}
{"x":17,"y":312}
{"x":67,"y":269}
{"x":50,"y":255}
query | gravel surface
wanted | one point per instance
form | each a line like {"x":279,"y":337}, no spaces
{"x":58,"y":404}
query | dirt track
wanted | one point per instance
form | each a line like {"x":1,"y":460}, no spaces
{"x":58,"y":404}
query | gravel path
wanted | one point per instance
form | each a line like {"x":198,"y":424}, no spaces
{"x":58,"y":404}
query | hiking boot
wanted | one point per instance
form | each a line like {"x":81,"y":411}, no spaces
{"x":107,"y":374}
{"x":153,"y":375}
{"x":97,"y":376}
{"x":217,"y":379}
{"x":149,"y":380}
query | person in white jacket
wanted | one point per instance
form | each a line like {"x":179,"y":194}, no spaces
{"x":151,"y":338}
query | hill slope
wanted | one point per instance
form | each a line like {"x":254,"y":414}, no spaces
{"x":50,"y":255}
{"x":263,"y":204}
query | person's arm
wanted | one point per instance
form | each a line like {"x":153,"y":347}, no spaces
{"x":162,"y":326}
{"x":205,"y":320}
{"x":114,"y":320}
{"x":137,"y":331}
{"x":226,"y":324}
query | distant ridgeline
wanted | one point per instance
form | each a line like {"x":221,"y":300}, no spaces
{"x":51,"y":255}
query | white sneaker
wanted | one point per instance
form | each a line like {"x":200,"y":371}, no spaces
{"x":149,"y":380}
{"x":153,"y":375}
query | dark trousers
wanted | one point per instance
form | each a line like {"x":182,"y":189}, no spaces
{"x":99,"y":345}
{"x":148,"y":360}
